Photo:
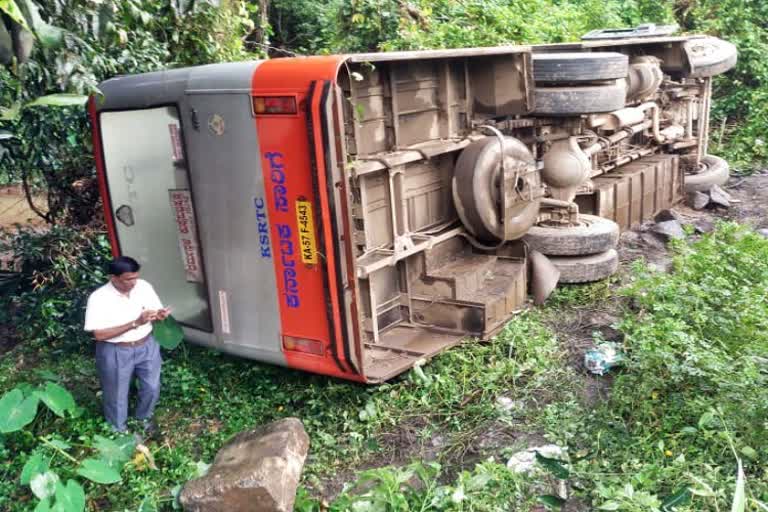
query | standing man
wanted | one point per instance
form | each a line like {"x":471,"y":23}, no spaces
{"x":120,"y":315}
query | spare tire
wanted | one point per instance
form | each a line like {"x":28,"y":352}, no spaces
{"x":581,"y":99}
{"x":714,"y":171}
{"x":579,"y":67}
{"x":592,"y":235}
{"x":476,"y":192}
{"x":586,"y":269}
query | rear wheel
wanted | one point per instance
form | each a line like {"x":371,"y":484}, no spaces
{"x":586,"y":269}
{"x":579,"y":67}
{"x":582,"y":99}
{"x":713,"y":171}
{"x":591,"y":235}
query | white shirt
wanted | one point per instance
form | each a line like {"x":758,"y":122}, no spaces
{"x":108,"y":307}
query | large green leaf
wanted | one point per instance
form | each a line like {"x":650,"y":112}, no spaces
{"x":551,"y":501}
{"x":59,"y":100}
{"x":69,"y":498}
{"x":115,"y":452}
{"x":58,"y":399}
{"x":680,"y":498}
{"x":43,"y":506}
{"x":16,"y":411}
{"x":554,"y":466}
{"x":35,"y":465}
{"x":99,"y":471}
{"x":10,"y":8}
{"x":44,"y":485}
{"x":48,"y":35}
{"x":167,"y":332}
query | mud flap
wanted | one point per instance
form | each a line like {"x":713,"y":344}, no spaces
{"x":544,"y":277}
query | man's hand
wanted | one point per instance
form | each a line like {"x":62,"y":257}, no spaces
{"x":162,"y":314}
{"x":147,"y":315}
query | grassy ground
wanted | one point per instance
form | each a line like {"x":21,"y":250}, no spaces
{"x":669,"y":427}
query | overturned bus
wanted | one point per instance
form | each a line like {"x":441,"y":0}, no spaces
{"x":350,"y":215}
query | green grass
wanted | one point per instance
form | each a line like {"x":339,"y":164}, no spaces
{"x":207,"y":397}
{"x":690,"y":400}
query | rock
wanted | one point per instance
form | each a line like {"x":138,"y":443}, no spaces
{"x":719,"y":197}
{"x":652,"y":241}
{"x":631,"y":238}
{"x":763,"y":232}
{"x":438,"y":441}
{"x":704,"y":226}
{"x":525,"y":461}
{"x":257,"y":471}
{"x":668,"y":230}
{"x":697,"y":200}
{"x":667,"y":215}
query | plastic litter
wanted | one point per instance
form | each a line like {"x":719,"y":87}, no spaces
{"x":525,"y":461}
{"x":602,"y":358}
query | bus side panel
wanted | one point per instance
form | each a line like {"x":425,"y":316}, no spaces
{"x":230,"y":195}
{"x":288,"y":163}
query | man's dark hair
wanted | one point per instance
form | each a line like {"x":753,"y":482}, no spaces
{"x":123,"y":264}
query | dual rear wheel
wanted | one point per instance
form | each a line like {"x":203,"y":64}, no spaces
{"x":583,"y":253}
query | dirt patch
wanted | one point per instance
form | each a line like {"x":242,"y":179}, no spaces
{"x":14,"y":208}
{"x":751,"y":192}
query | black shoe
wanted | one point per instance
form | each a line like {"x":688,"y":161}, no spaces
{"x":149,"y":428}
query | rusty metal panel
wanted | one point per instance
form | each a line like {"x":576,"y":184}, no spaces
{"x":501,"y":86}
{"x":672,"y":173}
{"x":637,"y":191}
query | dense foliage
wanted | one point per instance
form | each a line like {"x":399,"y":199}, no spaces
{"x":45,"y":300}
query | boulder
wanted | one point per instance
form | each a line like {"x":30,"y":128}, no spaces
{"x":719,"y":197}
{"x":668,"y":230}
{"x":763,"y":232}
{"x":256,"y":471}
{"x":697,"y":200}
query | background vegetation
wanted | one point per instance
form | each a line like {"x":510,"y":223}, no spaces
{"x":689,"y":405}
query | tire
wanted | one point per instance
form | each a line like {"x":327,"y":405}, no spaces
{"x":473,"y":185}
{"x":714,"y":171}
{"x":709,"y":56}
{"x":579,"y":67}
{"x":592,"y":236}
{"x":586,"y":269}
{"x":582,"y":99}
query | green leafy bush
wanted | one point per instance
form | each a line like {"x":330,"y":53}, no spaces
{"x":18,"y":409}
{"x":694,"y":387}
{"x":58,"y":269}
{"x":417,"y":487}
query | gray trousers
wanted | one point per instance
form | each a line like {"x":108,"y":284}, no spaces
{"x":117,"y":365}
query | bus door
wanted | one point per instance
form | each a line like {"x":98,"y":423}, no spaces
{"x":148,"y":188}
